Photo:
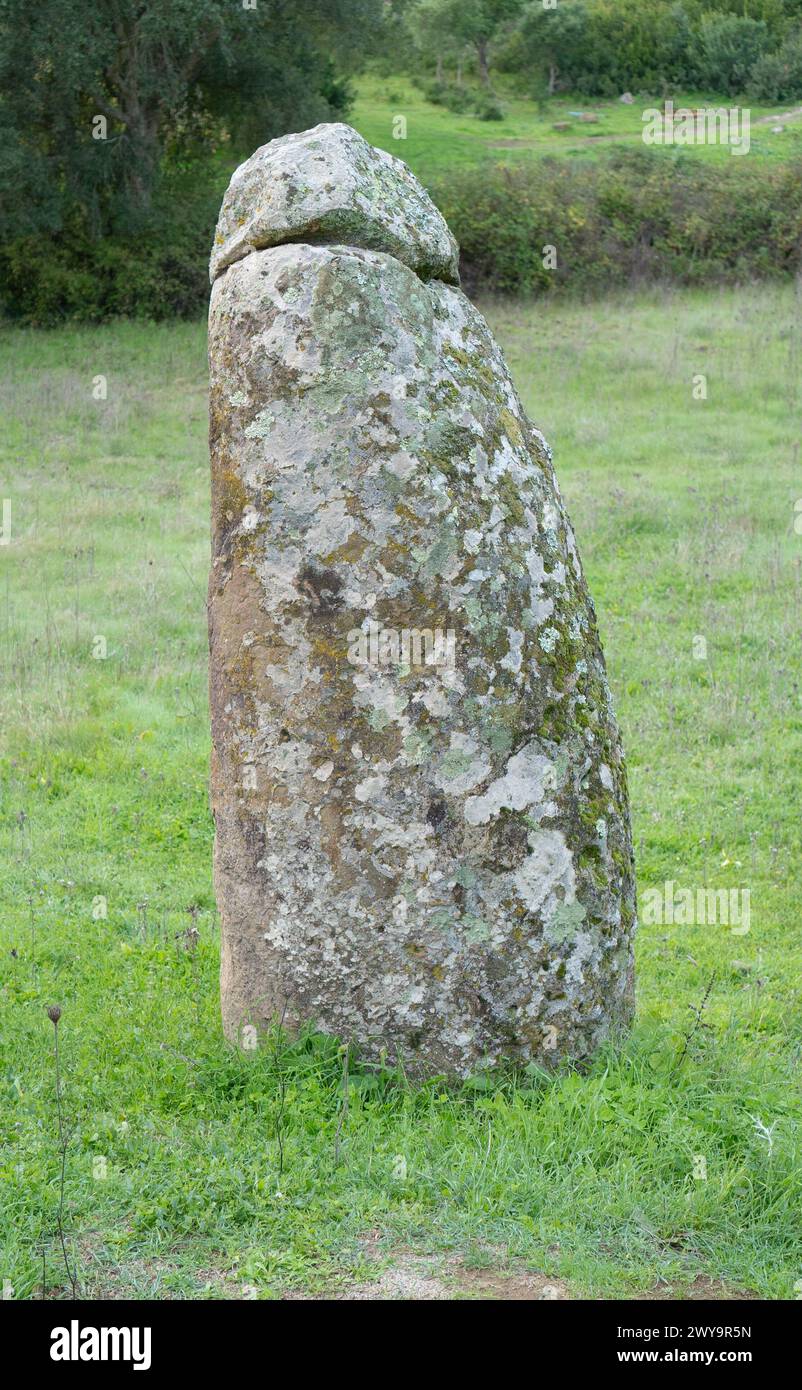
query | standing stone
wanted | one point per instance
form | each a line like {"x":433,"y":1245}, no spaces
{"x":422,"y":832}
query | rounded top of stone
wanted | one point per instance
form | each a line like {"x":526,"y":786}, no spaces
{"x":329,"y":185}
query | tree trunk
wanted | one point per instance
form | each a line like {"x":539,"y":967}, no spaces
{"x":484,"y":66}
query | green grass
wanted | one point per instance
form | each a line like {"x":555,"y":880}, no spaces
{"x":684,"y":511}
{"x":437,"y":141}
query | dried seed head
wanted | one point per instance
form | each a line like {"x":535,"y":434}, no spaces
{"x":54,"y":1014}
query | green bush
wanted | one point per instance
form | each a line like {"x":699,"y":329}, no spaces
{"x":157,"y":270}
{"x":636,"y":216}
{"x":448,"y":94}
{"x":731,"y":45}
{"x":488,"y":109}
{"x":778,"y":76}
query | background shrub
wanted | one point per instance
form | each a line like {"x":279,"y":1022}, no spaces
{"x":156,"y":270}
{"x":488,"y":109}
{"x":635,"y":216}
{"x":449,"y":94}
{"x":731,"y":45}
{"x":778,"y":76}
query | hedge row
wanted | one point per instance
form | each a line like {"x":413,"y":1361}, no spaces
{"x":156,"y":270}
{"x":636,"y":216}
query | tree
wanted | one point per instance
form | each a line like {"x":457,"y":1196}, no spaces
{"x":473,"y":23}
{"x":95,"y":97}
{"x":556,"y":42}
{"x":432,"y":23}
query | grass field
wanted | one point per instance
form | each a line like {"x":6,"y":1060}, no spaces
{"x":194,"y":1171}
{"x":437,"y":141}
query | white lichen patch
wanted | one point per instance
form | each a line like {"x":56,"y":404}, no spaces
{"x":463,"y":766}
{"x":514,"y":658}
{"x":546,"y":877}
{"x":370,"y":788}
{"x":331,"y":177}
{"x":527,"y":785}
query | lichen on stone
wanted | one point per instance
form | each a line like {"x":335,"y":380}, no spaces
{"x":431,"y":860}
{"x":329,"y":185}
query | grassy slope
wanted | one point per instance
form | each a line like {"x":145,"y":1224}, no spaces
{"x":438,"y":140}
{"x":684,"y":511}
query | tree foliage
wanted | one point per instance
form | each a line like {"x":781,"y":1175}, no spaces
{"x":447,"y":27}
{"x":98,"y":99}
{"x":604,"y":47}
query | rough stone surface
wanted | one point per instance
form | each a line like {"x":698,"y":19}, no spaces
{"x":329,"y":185}
{"x":430,"y":859}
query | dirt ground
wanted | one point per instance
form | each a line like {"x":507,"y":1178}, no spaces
{"x":408,"y":1275}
